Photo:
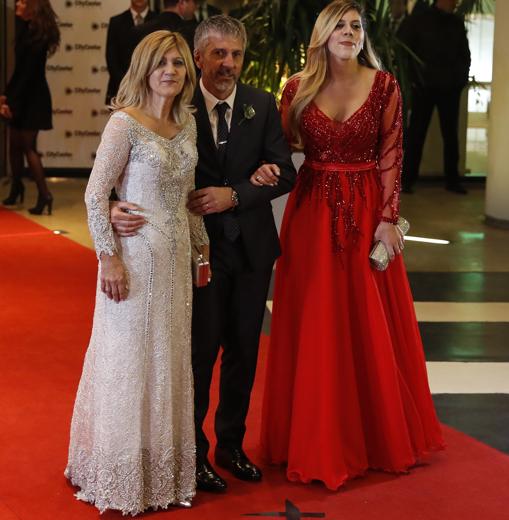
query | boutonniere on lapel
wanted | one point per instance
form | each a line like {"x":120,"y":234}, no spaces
{"x":249,"y":113}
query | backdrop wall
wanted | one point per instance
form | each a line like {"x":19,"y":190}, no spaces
{"x":77,"y":76}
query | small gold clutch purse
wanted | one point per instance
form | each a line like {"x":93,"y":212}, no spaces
{"x":379,"y":257}
{"x":201,"y":270}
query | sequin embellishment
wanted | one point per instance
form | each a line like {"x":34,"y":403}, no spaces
{"x":368,"y":142}
{"x":132,"y":433}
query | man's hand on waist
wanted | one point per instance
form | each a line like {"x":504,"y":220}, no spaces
{"x":124,"y":223}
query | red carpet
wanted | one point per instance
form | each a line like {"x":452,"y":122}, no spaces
{"x":47,"y":285}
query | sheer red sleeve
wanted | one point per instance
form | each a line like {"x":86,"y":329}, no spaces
{"x":287,"y":96}
{"x":390,"y":152}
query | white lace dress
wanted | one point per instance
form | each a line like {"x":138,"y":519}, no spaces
{"x":132,"y":434}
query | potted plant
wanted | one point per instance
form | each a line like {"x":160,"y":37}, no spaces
{"x":279,"y":32}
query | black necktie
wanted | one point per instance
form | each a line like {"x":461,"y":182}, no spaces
{"x":231,"y":227}
{"x":222,"y":129}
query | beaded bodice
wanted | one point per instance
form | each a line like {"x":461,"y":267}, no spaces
{"x":149,"y":170}
{"x":373,"y":133}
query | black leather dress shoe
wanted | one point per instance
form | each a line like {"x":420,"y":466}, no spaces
{"x":237,"y":463}
{"x":207,"y":479}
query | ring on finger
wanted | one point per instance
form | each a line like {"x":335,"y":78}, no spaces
{"x":259,"y":178}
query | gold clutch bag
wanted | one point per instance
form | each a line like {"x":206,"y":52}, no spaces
{"x":379,"y":257}
{"x":201,"y":270}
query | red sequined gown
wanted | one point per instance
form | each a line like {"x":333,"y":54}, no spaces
{"x":346,"y":386}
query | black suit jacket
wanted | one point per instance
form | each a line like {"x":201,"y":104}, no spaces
{"x":440,"y":40}
{"x":117,"y":42}
{"x":250,"y":143}
{"x":167,"y":21}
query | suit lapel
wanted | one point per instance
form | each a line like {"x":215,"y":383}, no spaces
{"x":206,"y":144}
{"x":128,"y":19}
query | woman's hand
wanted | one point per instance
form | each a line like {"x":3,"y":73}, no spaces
{"x":205,"y":251}
{"x":5,"y":111}
{"x":266,"y":175}
{"x":391,"y":237}
{"x":114,"y":280}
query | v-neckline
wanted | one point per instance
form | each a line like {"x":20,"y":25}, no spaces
{"x":356,"y":111}
{"x":147,"y":129}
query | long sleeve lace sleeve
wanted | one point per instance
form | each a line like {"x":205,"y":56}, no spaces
{"x":390,"y":153}
{"x":111,"y":158}
{"x":289,"y":91}
{"x":198,"y":233}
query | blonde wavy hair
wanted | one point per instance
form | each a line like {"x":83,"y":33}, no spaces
{"x":316,"y":70}
{"x":134,"y":90}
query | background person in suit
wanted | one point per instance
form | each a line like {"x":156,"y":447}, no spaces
{"x":117,"y":39}
{"x":176,"y":16}
{"x":438,"y":37}
{"x":239,"y":133}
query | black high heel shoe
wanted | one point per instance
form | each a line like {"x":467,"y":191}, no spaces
{"x":17,"y":191}
{"x":42,"y":202}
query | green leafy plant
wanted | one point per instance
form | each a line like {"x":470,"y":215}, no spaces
{"x":279,"y":32}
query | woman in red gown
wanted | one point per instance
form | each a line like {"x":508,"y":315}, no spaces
{"x":346,"y":387}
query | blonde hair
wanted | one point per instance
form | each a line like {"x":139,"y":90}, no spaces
{"x":315,"y":72}
{"x":134,"y":90}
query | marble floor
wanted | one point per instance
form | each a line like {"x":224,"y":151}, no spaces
{"x":461,"y":292}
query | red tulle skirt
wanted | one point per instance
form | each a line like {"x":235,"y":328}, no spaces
{"x":346,"y":386}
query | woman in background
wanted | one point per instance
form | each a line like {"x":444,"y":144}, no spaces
{"x":346,"y":387}
{"x":27,"y":100}
{"x":132,"y":434}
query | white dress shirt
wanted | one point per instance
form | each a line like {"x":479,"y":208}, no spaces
{"x":210,"y":103}
{"x":143,"y":14}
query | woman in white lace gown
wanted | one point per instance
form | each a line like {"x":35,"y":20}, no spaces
{"x":132,"y":435}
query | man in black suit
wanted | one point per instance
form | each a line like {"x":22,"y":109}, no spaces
{"x":177,"y":16}
{"x":239,"y":134}
{"x":438,"y":37}
{"x":117,"y":40}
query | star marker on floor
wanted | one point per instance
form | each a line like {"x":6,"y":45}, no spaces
{"x":291,"y":513}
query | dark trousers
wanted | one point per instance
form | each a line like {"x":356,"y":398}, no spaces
{"x":423,"y":102}
{"x":228,"y":312}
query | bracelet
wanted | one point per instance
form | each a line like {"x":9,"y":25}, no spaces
{"x":390,"y":220}
{"x":235,"y":198}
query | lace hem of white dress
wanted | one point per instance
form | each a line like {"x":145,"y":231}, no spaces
{"x":133,"y":484}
